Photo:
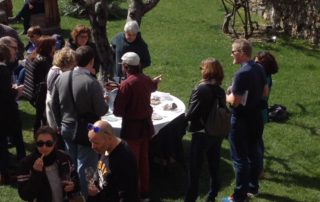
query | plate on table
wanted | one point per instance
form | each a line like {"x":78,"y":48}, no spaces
{"x":156,"y":116}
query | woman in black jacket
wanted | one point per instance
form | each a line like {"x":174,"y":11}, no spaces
{"x":47,"y":174}
{"x":200,"y":104}
{"x":35,"y":85}
{"x":81,"y":36}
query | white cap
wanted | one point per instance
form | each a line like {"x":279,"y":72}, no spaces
{"x":131,"y":58}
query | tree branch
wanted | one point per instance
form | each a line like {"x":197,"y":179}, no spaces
{"x":149,"y":5}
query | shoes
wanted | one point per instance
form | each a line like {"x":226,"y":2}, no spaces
{"x":14,"y":19}
{"x":252,"y":194}
{"x":145,"y":199}
{"x":231,"y":199}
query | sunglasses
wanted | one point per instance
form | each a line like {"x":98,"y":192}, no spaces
{"x":95,"y":129}
{"x":41,"y":143}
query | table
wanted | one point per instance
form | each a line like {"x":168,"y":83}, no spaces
{"x":167,"y":115}
{"x":166,"y":144}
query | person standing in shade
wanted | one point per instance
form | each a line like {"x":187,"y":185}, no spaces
{"x":246,"y":121}
{"x":202,"y":144}
{"x":132,"y":103}
{"x":116,"y":176}
{"x":10,"y":121}
{"x":130,"y":41}
{"x":270,"y":66}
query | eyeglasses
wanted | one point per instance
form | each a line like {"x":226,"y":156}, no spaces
{"x":95,"y":129}
{"x":233,"y":51}
{"x":41,"y":143}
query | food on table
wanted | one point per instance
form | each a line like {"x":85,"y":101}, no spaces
{"x":170,"y":106}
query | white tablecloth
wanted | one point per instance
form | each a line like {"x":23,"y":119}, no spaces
{"x":167,"y":115}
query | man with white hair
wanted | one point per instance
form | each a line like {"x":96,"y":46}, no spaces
{"x":130,"y":41}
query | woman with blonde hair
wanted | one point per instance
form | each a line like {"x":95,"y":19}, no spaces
{"x":200,"y":103}
{"x":63,"y":60}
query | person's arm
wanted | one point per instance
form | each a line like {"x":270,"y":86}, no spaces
{"x":233,"y":100}
{"x":121,"y":100}
{"x":146,"y":59}
{"x":55,"y":105}
{"x":99,"y":103}
{"x":29,"y":181}
{"x":195,"y":102}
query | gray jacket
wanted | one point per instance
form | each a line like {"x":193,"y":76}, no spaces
{"x":87,"y":92}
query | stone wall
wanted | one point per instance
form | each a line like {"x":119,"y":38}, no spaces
{"x":297,"y":18}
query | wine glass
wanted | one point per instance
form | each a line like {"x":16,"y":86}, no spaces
{"x":89,"y":173}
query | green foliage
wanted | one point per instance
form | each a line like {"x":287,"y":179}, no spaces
{"x":181,"y":33}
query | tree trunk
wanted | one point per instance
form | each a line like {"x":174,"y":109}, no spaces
{"x":98,"y":16}
{"x":137,"y":9}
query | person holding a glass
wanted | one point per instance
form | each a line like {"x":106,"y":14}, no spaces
{"x":47,"y":174}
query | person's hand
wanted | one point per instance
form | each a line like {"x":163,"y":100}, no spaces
{"x":93,"y":189}
{"x":157,"y":79}
{"x":38,"y":164}
{"x":68,"y":185}
{"x":229,"y":90}
{"x":30,"y":6}
{"x":19,"y":89}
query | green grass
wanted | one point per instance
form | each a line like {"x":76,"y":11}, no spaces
{"x":180,"y":33}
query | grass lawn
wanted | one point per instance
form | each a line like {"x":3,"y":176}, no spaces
{"x":180,"y":33}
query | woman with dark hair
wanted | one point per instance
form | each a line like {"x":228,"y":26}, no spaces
{"x":81,"y":36}
{"x":35,"y":87}
{"x":201,"y":100}
{"x":270,"y":66}
{"x":47,"y":174}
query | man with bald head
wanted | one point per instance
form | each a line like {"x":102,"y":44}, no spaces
{"x":116,"y":176}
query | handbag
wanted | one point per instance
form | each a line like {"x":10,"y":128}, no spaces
{"x":81,"y":132}
{"x":218,"y":121}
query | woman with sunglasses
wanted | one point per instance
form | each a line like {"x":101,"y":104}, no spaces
{"x":47,"y":174}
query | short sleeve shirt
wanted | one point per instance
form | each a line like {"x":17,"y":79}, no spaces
{"x":250,"y":78}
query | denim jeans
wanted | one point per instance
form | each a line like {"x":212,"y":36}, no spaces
{"x":82,"y":156}
{"x":244,"y":138}
{"x":209,"y":146}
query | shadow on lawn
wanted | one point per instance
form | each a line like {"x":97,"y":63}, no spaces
{"x":289,"y":177}
{"x":170,"y":182}
{"x":275,"y":198}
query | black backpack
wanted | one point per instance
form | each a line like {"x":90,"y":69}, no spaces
{"x":278,"y":113}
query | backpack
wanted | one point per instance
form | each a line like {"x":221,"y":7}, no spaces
{"x":278,"y":113}
{"x":218,"y":121}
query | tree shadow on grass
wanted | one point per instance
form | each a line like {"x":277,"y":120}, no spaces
{"x":170,"y":182}
{"x":289,"y":177}
{"x":275,"y":198}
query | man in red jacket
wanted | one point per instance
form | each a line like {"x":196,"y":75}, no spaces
{"x":133,"y":105}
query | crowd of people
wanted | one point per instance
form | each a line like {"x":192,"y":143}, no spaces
{"x":59,"y":79}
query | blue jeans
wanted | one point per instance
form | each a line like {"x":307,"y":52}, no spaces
{"x":244,"y":144}
{"x":209,"y":146}
{"x":82,"y":156}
